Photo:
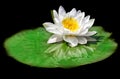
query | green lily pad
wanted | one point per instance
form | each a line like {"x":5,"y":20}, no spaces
{"x":30,"y":47}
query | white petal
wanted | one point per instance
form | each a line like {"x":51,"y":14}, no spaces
{"x":52,"y":28}
{"x":90,"y":39}
{"x":83,"y":32}
{"x":72,"y":12}
{"x":61,"y":12}
{"x":90,"y":33}
{"x":55,"y":17}
{"x":86,"y":19}
{"x":78,"y":12}
{"x":56,"y":21}
{"x":73,"y":41}
{"x":82,"y":40}
{"x":68,"y":32}
{"x":89,"y":24}
{"x":80,"y":16}
{"x":55,"y":38}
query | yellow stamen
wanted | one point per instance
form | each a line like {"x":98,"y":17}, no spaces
{"x":71,"y":24}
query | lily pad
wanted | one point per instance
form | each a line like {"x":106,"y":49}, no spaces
{"x":30,"y":47}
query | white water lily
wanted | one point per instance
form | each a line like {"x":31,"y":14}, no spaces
{"x":72,"y":27}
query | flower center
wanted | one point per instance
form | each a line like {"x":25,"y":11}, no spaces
{"x":71,"y":24}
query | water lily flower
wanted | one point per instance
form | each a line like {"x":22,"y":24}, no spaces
{"x":72,"y":27}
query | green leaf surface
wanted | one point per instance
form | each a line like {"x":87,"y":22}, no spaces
{"x":30,"y":47}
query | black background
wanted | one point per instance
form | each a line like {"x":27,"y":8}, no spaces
{"x":28,"y":15}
